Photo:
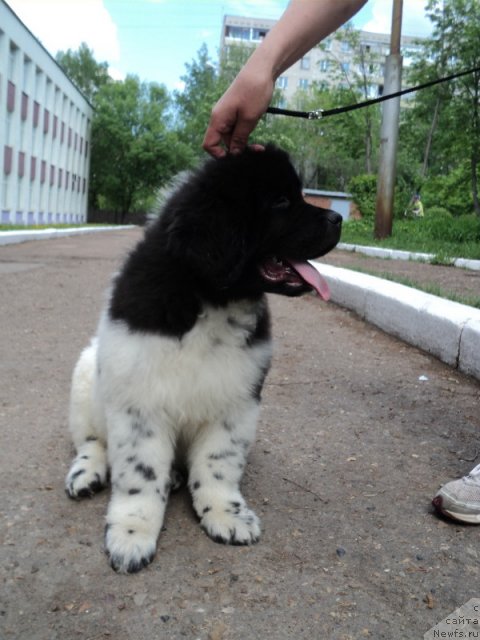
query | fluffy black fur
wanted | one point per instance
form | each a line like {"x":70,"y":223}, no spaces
{"x":213,"y":236}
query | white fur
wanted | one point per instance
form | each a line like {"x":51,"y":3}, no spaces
{"x":151,"y":400}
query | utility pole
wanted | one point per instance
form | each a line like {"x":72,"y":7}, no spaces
{"x":389,"y":129}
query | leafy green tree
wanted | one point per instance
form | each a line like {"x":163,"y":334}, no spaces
{"x":82,"y":68}
{"x":447,"y":119}
{"x":194,"y":104}
{"x":134,"y":151}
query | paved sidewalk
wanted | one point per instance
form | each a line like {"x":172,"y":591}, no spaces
{"x":357,"y":431}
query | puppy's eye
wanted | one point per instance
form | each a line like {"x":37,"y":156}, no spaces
{"x":281,"y":203}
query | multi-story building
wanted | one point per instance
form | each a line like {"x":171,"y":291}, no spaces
{"x":44,"y":132}
{"x":335,"y":63}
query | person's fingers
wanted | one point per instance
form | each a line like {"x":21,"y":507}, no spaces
{"x":240,"y":134}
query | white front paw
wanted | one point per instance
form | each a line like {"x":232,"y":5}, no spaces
{"x":130,"y":545}
{"x":234,"y":524}
{"x":86,"y":477}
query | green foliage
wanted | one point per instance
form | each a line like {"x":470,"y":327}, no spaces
{"x":441,"y":235}
{"x":451,"y":191}
{"x":446,"y":228}
{"x":444,"y":124}
{"x":82,"y":68}
{"x":133,"y":150}
{"x":438,"y":212}
{"x":194,"y":104}
{"x":364,"y":191}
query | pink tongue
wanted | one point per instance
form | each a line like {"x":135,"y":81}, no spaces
{"x":312,"y":277}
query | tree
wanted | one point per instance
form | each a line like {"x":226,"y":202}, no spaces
{"x":82,"y":68}
{"x":194,"y":104}
{"x":133,"y":149}
{"x":452,"y":111}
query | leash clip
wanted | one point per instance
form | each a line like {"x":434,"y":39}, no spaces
{"x":315,"y":115}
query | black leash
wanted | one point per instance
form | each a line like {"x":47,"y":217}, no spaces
{"x":319,"y":114}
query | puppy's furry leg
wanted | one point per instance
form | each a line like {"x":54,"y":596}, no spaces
{"x":141,"y":456}
{"x":217,"y":462}
{"x":88,"y":471}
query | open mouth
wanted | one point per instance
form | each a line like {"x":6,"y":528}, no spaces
{"x":294,"y":274}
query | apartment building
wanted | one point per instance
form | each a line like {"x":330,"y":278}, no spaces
{"x":335,"y":63}
{"x":45,"y":126}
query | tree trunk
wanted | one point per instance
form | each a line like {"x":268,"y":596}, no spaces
{"x":428,"y":146}
{"x":475,"y":154}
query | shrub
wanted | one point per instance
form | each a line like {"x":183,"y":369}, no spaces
{"x":438,"y":212}
{"x":452,"y":191}
{"x":364,"y":192}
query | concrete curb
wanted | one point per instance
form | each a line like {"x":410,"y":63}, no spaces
{"x":14,"y":237}
{"x":448,"y":330}
{"x":397,"y":254}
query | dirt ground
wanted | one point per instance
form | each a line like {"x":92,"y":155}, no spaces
{"x":351,"y":446}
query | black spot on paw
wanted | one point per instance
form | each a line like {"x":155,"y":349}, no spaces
{"x":218,"y":476}
{"x":133,"y":492}
{"x":206,"y":509}
{"x":196,"y":485}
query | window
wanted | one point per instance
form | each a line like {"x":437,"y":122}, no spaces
{"x":10,"y":96}
{"x":33,"y":168}
{"x":7,"y":159}
{"x":282,"y":82}
{"x":46,"y":120}
{"x":303,"y":83}
{"x":259,"y":34}
{"x":239,"y":33}
{"x":36,"y":113}
{"x":24,"y":106}
{"x":324,"y":65}
{"x":305,"y":63}
{"x":345,"y":66}
{"x":21,"y":164}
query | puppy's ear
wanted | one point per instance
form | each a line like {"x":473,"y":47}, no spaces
{"x":212,"y":243}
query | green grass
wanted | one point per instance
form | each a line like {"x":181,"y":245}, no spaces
{"x":415,"y":236}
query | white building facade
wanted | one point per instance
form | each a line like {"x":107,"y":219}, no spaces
{"x":45,"y":125}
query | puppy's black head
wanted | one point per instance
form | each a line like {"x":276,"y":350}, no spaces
{"x":242,"y":226}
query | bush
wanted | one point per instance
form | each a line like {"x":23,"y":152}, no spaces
{"x":452,"y":192}
{"x":364,"y":192}
{"x":438,"y":212}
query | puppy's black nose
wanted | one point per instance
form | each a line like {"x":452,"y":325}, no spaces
{"x":334,"y":217}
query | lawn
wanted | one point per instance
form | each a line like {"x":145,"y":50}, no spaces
{"x":445,"y":239}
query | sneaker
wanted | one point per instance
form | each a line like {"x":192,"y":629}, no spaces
{"x":460,"y":499}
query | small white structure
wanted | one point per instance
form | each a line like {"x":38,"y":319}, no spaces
{"x":45,"y":124}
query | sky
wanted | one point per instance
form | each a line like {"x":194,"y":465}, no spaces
{"x":154,"y":39}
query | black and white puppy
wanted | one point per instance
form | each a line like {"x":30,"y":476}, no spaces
{"x":175,"y":371}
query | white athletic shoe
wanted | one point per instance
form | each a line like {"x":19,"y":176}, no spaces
{"x":460,"y":499}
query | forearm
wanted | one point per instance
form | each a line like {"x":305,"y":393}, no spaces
{"x":303,"y":25}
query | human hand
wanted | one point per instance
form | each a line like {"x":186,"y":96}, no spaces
{"x":237,"y":113}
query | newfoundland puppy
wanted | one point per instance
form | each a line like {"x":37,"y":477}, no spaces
{"x":174,"y":374}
